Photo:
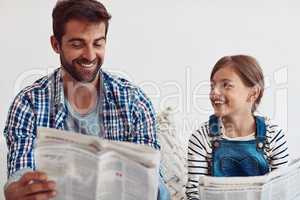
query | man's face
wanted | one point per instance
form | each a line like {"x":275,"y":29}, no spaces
{"x":82,"y":49}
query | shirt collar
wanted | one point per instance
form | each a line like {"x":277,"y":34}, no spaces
{"x":59,"y":96}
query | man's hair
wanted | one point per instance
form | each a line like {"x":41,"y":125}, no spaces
{"x":247,"y":69}
{"x":85,"y":10}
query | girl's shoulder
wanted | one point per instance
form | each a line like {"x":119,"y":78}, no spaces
{"x":272,"y":125}
{"x":274,"y":132}
{"x":201,"y":134}
{"x":203,"y":129}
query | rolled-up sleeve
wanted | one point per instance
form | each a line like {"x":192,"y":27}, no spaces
{"x":20,"y":134}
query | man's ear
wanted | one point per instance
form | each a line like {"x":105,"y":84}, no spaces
{"x":55,"y":44}
{"x":254,"y":93}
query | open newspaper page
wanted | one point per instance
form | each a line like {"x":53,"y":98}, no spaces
{"x":211,"y":188}
{"x":74,"y":170}
{"x":86,"y":167}
{"x":134,"y":166}
{"x":282,"y":184}
{"x":133,"y":180}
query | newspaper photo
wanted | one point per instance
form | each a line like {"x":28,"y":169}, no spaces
{"x":89,"y":168}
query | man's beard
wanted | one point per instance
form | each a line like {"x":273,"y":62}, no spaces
{"x":78,"y":74}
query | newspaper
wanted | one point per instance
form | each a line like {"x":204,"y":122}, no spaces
{"x":89,"y":168}
{"x":281,"y":184}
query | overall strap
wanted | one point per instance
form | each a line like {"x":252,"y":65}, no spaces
{"x":214,"y":126}
{"x":260,"y":131}
{"x":214,"y":136}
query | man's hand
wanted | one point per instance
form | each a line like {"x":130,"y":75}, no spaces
{"x":31,"y":186}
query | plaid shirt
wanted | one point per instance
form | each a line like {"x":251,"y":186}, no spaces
{"x":128,"y":115}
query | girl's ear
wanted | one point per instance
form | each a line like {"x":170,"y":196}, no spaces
{"x":254,"y":93}
{"x":55,"y":44}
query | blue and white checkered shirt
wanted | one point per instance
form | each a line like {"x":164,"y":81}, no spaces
{"x":128,"y":115}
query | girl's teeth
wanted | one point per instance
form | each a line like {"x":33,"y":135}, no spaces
{"x":219,"y":102}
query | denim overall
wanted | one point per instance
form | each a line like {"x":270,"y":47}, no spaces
{"x":238,"y":158}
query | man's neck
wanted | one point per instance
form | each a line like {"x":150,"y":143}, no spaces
{"x":82,"y":97}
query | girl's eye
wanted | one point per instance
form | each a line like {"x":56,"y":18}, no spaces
{"x":227,"y":85}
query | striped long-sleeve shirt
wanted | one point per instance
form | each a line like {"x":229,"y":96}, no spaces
{"x":200,"y":153}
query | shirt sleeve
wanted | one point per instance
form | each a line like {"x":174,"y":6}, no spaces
{"x":198,"y":160}
{"x":277,"y":147}
{"x":144,"y":121}
{"x":19,"y":133}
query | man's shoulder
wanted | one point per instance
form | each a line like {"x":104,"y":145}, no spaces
{"x":117,"y":81}
{"x":119,"y":85}
{"x":39,"y":88}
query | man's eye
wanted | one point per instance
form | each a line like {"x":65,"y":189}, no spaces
{"x":76,"y":45}
{"x":98,"y":45}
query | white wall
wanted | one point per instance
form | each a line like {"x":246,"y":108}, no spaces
{"x":169,"y":48}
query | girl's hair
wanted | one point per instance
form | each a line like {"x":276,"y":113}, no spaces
{"x":247,"y":69}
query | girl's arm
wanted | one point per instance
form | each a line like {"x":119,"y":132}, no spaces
{"x":199,"y":153}
{"x":277,"y":147}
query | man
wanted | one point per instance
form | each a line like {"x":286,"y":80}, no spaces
{"x":78,"y":97}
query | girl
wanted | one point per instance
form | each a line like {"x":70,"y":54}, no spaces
{"x":235,"y":141}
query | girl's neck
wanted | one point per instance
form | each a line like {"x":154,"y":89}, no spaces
{"x":238,"y":126}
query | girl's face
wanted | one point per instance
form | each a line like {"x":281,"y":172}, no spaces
{"x":229,"y":95}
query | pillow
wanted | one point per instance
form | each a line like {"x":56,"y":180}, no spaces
{"x":173,"y":155}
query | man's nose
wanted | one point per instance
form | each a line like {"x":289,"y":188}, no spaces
{"x":89,"y":53}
